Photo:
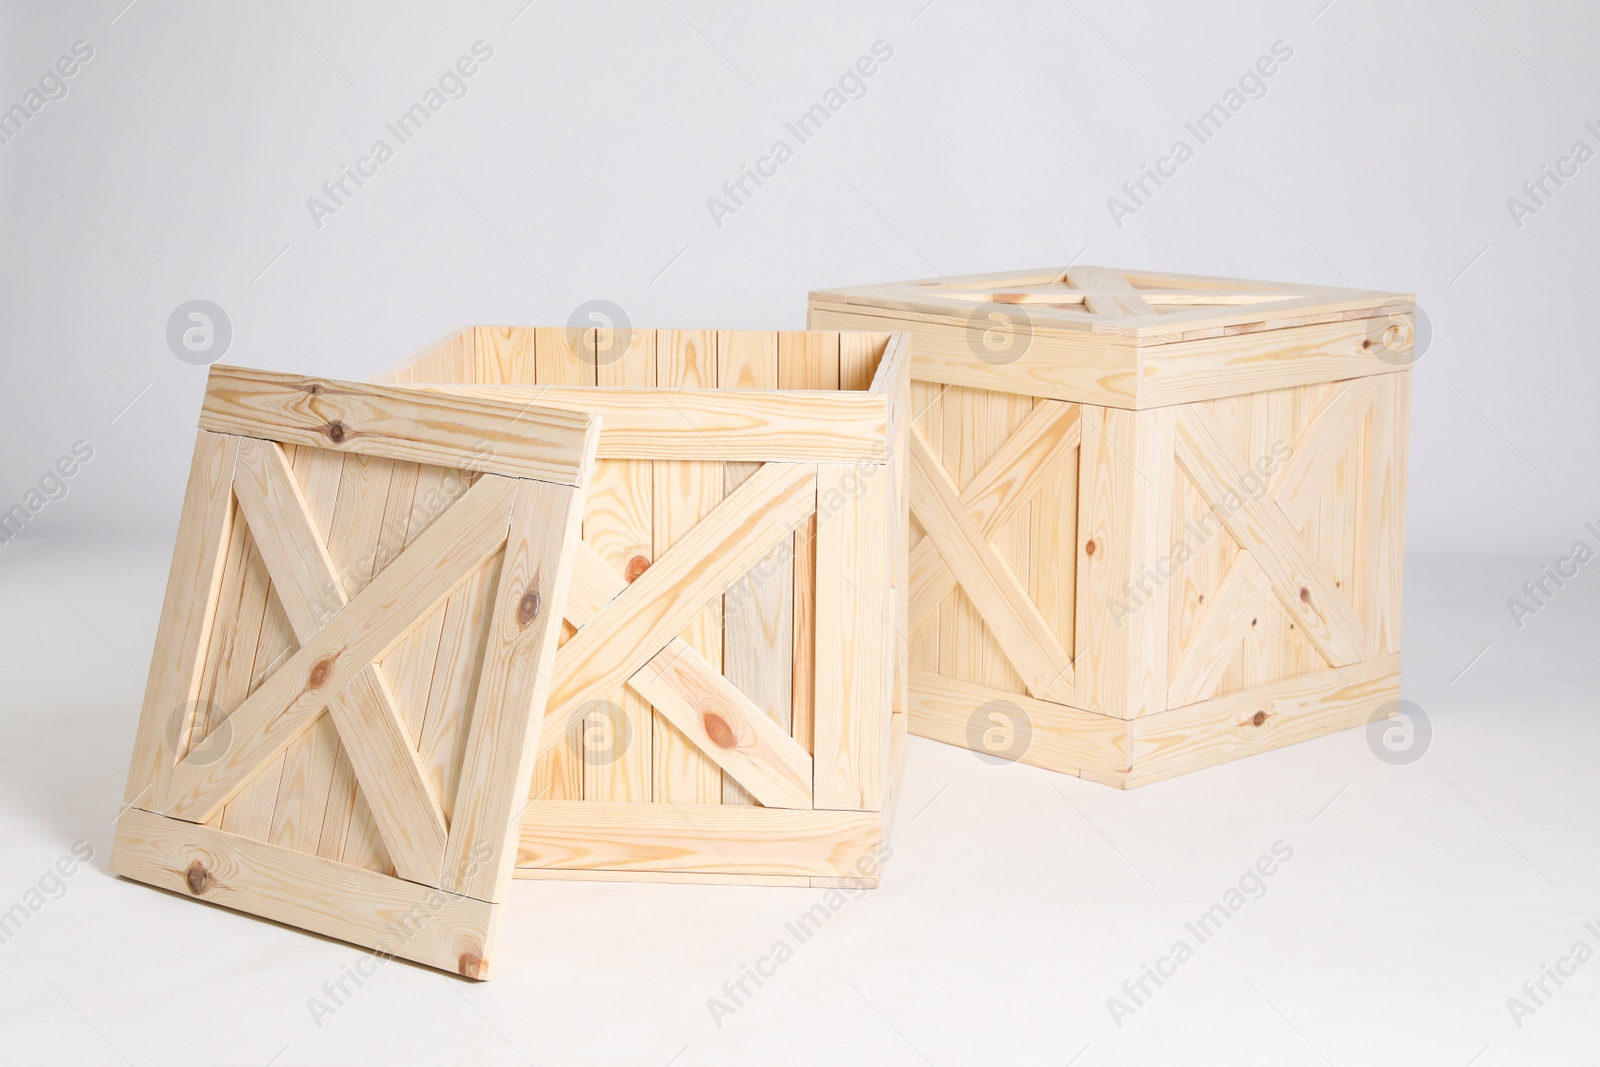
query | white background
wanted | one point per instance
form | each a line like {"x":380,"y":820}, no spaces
{"x":578,"y":166}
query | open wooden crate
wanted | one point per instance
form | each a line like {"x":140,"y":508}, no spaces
{"x":729,"y":700}
{"x":1157,"y":519}
{"x":353,"y":659}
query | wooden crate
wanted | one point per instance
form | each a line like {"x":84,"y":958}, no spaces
{"x":729,"y":699}
{"x":1157,"y":520}
{"x":353,"y":659}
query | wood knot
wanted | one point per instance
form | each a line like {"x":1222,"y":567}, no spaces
{"x":470,"y":965}
{"x":718,"y":730}
{"x":1366,"y":344}
{"x":1258,"y":718}
{"x":319,"y":672}
{"x":315,"y":389}
{"x":1305,"y":595}
{"x":636,"y":566}
{"x":1088,"y":547}
{"x":527,"y":608}
{"x":197,"y":878}
{"x":336,"y":431}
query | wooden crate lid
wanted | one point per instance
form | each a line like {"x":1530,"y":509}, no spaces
{"x":281,"y":765}
{"x":1150,"y":307}
{"x":1130,"y":339}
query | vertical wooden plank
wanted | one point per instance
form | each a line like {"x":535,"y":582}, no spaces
{"x":619,"y":526}
{"x":852,"y":606}
{"x":507,"y":716}
{"x":504,"y":355}
{"x":1052,"y":554}
{"x":685,"y":492}
{"x":188,"y":609}
{"x":1125,"y":491}
{"x":562,"y":356}
{"x":308,"y":763}
{"x":353,"y":543}
{"x":1383,"y":541}
{"x":233,"y":682}
{"x":806,"y":361}
{"x":409,"y":667}
{"x":757,"y":639}
{"x":445,"y":722}
{"x":221,"y":645}
{"x":927,"y":400}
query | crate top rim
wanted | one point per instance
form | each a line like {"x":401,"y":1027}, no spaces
{"x":1129,"y":315}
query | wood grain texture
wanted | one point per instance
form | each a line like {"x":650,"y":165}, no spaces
{"x":685,"y":494}
{"x":706,"y":838}
{"x":167,"y":719}
{"x":620,"y":527}
{"x":388,"y":915}
{"x":375,"y":619}
{"x":987,"y":578}
{"x":1125,"y":491}
{"x":758,"y":609}
{"x":852,"y":606}
{"x":514,"y":681}
{"x":694,"y":423}
{"x":413,"y":425}
{"x":656,"y":607}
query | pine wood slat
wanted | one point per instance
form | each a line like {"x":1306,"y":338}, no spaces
{"x":753,"y":425}
{"x":727,"y":726}
{"x":1300,"y":583}
{"x":701,"y":703}
{"x":1107,"y":292}
{"x":514,"y":679}
{"x":852,"y":606}
{"x":1323,"y":442}
{"x":187,"y":611}
{"x":646,"y":616}
{"x":1018,"y":471}
{"x":1024,"y":636}
{"x":415,"y":425}
{"x":709,"y":838}
{"x":393,"y":916}
{"x":391,"y":776}
{"x":373,"y":620}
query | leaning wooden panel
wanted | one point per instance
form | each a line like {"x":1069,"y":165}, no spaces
{"x":742,"y":556}
{"x":1201,"y":503}
{"x":359,"y":842}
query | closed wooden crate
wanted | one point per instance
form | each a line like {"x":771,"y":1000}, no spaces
{"x":1157,"y":520}
{"x":729,"y":701}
